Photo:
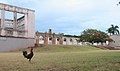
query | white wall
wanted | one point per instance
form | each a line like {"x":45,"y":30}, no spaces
{"x":11,"y":43}
{"x":74,"y":42}
{"x":31,"y":24}
{"x":116,"y":39}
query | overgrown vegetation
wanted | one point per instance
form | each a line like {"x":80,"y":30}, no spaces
{"x":62,"y":58}
{"x":93,"y":35}
{"x":72,"y":36}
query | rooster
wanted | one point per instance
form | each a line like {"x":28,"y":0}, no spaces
{"x":28,"y":56}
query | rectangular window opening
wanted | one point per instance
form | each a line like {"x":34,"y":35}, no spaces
{"x":9,"y":17}
{"x":21,"y":24}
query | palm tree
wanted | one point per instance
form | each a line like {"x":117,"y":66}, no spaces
{"x":113,"y":30}
{"x":109,"y":31}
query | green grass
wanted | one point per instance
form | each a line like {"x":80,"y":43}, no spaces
{"x":64,"y":48}
{"x":62,"y":58}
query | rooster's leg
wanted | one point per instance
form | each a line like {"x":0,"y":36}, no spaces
{"x":29,"y":60}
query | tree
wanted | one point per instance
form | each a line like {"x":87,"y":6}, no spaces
{"x":93,"y":35}
{"x":87,"y":35}
{"x":113,"y":30}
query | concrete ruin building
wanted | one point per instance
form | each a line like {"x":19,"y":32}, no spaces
{"x":48,"y":38}
{"x":16,"y":32}
{"x":56,"y":39}
{"x":116,"y":41}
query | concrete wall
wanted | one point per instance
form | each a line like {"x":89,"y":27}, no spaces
{"x":73,"y":42}
{"x":16,"y":41}
{"x":116,"y":42}
{"x":12,"y":43}
{"x":30,"y":24}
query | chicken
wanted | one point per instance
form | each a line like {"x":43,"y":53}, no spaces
{"x":28,"y":56}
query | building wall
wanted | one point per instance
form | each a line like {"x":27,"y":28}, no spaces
{"x":116,"y":41}
{"x":12,"y":43}
{"x":48,"y":38}
{"x":70,"y":41}
{"x":56,"y":39}
{"x":14,"y":36}
{"x":31,"y":24}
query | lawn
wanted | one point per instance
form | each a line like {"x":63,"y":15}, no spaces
{"x":62,"y":58}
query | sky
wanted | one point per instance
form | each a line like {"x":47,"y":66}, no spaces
{"x":71,"y":16}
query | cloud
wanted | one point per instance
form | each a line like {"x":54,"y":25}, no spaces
{"x":72,"y":16}
{"x":77,"y":15}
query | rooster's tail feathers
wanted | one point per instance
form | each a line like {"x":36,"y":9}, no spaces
{"x":25,"y":53}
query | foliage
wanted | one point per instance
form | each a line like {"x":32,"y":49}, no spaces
{"x":72,"y":36}
{"x":113,"y":30}
{"x":93,"y":35}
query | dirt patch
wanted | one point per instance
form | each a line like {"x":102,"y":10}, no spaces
{"x":108,"y":47}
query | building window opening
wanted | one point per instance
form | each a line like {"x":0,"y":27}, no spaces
{"x":65,"y":39}
{"x":20,"y":24}
{"x":71,"y":40}
{"x":50,"y":40}
{"x":8,"y":23}
{"x":41,"y":40}
{"x":58,"y":40}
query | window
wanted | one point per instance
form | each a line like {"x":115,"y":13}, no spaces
{"x":71,"y":40}
{"x":9,"y":23}
{"x":65,"y":39}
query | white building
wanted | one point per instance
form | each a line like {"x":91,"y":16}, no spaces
{"x":17,"y":32}
{"x":116,"y":41}
{"x":71,"y":41}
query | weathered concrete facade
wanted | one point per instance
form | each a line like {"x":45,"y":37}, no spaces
{"x":116,"y":41}
{"x":48,"y":38}
{"x":15,"y":33}
{"x":71,"y":41}
{"x":52,"y":38}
